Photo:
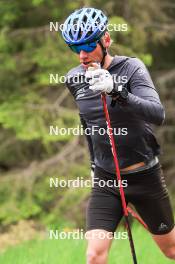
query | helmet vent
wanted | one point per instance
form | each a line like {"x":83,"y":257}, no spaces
{"x":93,"y":15}
{"x":85,"y":19}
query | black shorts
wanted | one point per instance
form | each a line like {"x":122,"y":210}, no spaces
{"x":145,"y":190}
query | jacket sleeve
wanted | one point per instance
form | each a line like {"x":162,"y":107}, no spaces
{"x":89,"y":140}
{"x":143,"y":98}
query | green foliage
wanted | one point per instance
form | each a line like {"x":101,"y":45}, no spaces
{"x":34,"y":198}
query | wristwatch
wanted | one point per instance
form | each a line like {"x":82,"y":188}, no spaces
{"x":119,"y":94}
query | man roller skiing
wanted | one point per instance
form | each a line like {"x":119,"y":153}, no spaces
{"x":133,"y":105}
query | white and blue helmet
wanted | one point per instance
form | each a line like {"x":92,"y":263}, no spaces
{"x":84,"y":25}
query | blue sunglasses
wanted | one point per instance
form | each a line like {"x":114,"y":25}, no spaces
{"x":87,"y":47}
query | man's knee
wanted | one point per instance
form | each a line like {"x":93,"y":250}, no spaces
{"x":166,"y":243}
{"x":169,"y":252}
{"x":96,"y":256}
{"x":98,"y":248}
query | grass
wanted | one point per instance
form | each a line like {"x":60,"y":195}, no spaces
{"x":73,"y":251}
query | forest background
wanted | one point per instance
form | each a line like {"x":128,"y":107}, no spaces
{"x":30,"y":104}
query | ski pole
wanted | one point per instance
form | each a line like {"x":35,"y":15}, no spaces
{"x":137,"y":217}
{"x":122,"y":195}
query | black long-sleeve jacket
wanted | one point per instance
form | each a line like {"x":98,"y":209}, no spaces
{"x":131,"y":122}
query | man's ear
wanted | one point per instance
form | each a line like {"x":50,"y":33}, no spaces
{"x":106,"y":40}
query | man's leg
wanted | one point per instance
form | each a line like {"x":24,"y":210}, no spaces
{"x":99,"y":242}
{"x":104,"y":212}
{"x":153,"y":205}
{"x":166,"y":243}
{"x":158,"y":215}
